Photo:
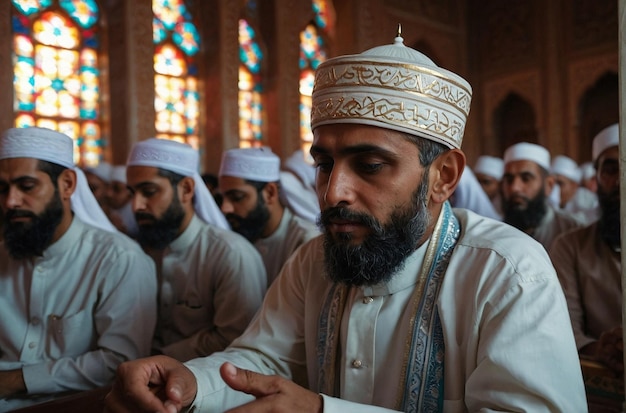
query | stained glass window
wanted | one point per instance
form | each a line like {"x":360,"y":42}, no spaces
{"x":177,"y":96}
{"x":250,"y":102}
{"x":56,"y":71}
{"x":312,"y":53}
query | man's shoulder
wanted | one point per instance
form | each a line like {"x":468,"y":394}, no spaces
{"x":99,"y":239}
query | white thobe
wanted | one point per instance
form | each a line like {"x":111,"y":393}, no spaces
{"x":292,"y":232}
{"x":65,"y":316}
{"x":590,"y":273}
{"x":212,"y":283}
{"x":508,"y":341}
{"x":553,"y":224}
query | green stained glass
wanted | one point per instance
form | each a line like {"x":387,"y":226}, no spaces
{"x":56,"y":75}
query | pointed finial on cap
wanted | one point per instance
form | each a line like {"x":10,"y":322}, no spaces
{"x":399,"y":40}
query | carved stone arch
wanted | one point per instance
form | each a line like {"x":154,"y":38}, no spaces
{"x":584,"y":74}
{"x":597,"y":109}
{"x":524,"y":94}
{"x":514,"y":121}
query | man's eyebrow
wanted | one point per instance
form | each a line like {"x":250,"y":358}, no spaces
{"x":356,"y":149}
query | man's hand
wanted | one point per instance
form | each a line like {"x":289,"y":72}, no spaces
{"x":273,"y":393}
{"x":11,"y":382}
{"x":610,"y":350}
{"x":155,"y":384}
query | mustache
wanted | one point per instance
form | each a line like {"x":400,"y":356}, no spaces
{"x":18,"y":213}
{"x":342,"y":213}
{"x":140,"y":216}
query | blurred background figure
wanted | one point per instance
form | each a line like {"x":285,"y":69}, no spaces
{"x":211,"y":182}
{"x":588,"y":176}
{"x":99,"y":179}
{"x":488,"y":171}
{"x":580,"y":202}
{"x":297,"y":179}
{"x":121,"y":209}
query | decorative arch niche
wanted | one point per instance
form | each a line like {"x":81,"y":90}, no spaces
{"x":514,"y":121}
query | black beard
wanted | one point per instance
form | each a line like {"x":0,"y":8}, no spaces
{"x":251,"y":226}
{"x":529,"y":217}
{"x":609,"y":223}
{"x":162,"y":231}
{"x":30,"y":239}
{"x":383,"y":253}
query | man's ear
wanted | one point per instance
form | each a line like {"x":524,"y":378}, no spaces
{"x":445,"y":174}
{"x":67,"y":184}
{"x":270,"y":193}
{"x":186,"y":188}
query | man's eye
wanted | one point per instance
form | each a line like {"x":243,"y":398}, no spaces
{"x":25,"y":187}
{"x":324,"y":166}
{"x":148,"y":192}
{"x":371,"y":167}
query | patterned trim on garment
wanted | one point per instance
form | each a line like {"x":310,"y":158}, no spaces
{"x":424,"y":363}
{"x":328,"y":338}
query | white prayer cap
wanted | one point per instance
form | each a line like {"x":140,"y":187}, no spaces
{"x":103,"y":171}
{"x":607,"y":138}
{"x":528,"y":152}
{"x":299,"y":197}
{"x":297,"y":164}
{"x":490,"y":166}
{"x":587,"y":171}
{"x":254,"y":164}
{"x":182,"y":159}
{"x":39,"y":143}
{"x":563,"y":165}
{"x":393,"y":87}
{"x":118,"y":174}
{"x":58,"y":148}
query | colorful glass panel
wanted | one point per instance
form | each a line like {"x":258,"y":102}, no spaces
{"x":312,"y":53}
{"x":83,"y":12}
{"x":177,"y":97}
{"x":250,"y":96}
{"x":56,"y":75}
{"x":322,"y":11}
{"x":249,"y":50}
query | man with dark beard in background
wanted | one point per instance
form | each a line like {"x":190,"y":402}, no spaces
{"x":526,"y":185}
{"x":211,"y":280}
{"x":66,"y":285}
{"x":588,"y":263}
{"x":249,"y":182}
{"x":403,"y":303}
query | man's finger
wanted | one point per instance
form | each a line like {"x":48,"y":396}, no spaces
{"x":255,"y":384}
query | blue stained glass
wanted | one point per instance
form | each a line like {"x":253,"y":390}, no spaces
{"x":80,"y":141}
{"x":83,"y":12}
{"x":30,"y":7}
{"x":25,"y":59}
{"x":192,"y":69}
{"x":158,"y":31}
{"x":57,"y":84}
{"x":20,"y":25}
{"x":187,"y":38}
{"x":88,"y":114}
{"x":91,"y":40}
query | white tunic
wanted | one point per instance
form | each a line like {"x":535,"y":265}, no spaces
{"x":212,"y":283}
{"x":292,"y":232}
{"x":508,"y":340}
{"x":65,"y":316}
{"x":553,"y":224}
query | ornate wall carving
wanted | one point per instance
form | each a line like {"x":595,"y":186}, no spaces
{"x":594,"y":22}
{"x":440,"y":11}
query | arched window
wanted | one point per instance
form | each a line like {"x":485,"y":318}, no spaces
{"x":56,"y":71}
{"x":177,"y":99}
{"x":250,"y":97}
{"x":312,"y":53}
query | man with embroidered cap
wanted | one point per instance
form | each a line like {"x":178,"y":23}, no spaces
{"x":118,"y":199}
{"x":249,"y":181}
{"x":67,"y":287}
{"x":489,"y":171}
{"x":588,"y":263}
{"x":211,"y":280}
{"x":526,"y":186}
{"x":404,"y":303}
{"x":576,"y":200}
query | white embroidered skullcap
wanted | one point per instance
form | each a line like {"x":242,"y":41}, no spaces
{"x":563,"y":165}
{"x":38,"y":143}
{"x":118,"y":174}
{"x":587,"y":171}
{"x":102,"y":170}
{"x":490,"y":166}
{"x":607,"y":138}
{"x":55,"y":147}
{"x":255,"y":164}
{"x":393,"y":87}
{"x":300,"y":198}
{"x":528,"y":152}
{"x":182,"y":159}
{"x":297,"y":164}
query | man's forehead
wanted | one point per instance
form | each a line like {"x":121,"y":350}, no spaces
{"x":19,"y":166}
{"x":521,"y":166}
